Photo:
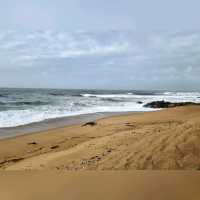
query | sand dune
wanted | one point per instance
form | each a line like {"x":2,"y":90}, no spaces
{"x":167,"y":139}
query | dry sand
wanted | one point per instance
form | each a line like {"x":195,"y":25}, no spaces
{"x":126,"y":185}
{"x":67,"y":163}
{"x":167,"y":139}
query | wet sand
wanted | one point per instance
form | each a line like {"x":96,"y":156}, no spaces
{"x":55,"y":123}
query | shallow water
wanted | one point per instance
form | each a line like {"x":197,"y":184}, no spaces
{"x":25,"y":106}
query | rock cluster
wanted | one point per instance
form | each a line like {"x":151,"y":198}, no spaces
{"x":167,"y":104}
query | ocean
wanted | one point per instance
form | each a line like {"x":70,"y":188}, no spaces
{"x":25,"y":106}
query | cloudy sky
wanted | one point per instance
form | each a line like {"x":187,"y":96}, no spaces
{"x":123,"y":44}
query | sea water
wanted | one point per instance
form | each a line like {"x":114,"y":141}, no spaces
{"x":25,"y":106}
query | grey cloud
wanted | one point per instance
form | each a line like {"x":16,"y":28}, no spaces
{"x":108,"y":59}
{"x":48,"y":45}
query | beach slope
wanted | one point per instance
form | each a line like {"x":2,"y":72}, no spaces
{"x":162,"y":140}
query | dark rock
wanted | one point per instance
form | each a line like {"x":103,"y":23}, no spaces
{"x":32,"y":143}
{"x":55,"y":147}
{"x":166,"y":104}
{"x":139,"y":102}
{"x":90,"y":124}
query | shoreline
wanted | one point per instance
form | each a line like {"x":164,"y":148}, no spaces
{"x":60,"y":122}
{"x":167,"y":139}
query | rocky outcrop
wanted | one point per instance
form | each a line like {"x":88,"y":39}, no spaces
{"x":167,"y":104}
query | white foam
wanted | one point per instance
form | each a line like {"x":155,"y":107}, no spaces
{"x":129,"y":95}
{"x":14,"y":118}
{"x":84,"y":105}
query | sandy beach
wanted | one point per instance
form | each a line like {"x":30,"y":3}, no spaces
{"x":153,"y":155}
{"x":161,"y":140}
{"x":120,"y":185}
{"x":99,"y":100}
